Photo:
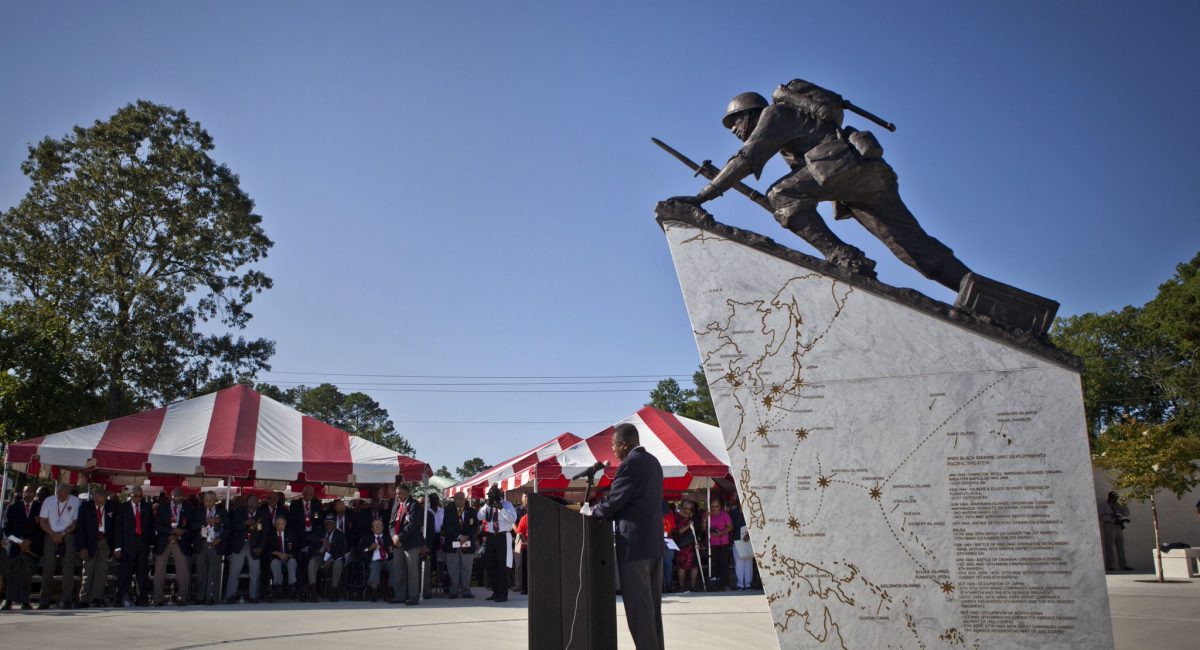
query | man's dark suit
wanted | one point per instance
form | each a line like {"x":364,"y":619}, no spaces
{"x":22,"y":524}
{"x":87,"y":530}
{"x":459,"y":560}
{"x":296,"y":520}
{"x":634,"y":502}
{"x":135,"y":549}
{"x":362,"y":525}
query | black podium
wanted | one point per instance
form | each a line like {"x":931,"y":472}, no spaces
{"x":558,"y":537}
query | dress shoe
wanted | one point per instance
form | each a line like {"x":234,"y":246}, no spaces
{"x":253,"y":601}
{"x":83,"y":604}
{"x":491,"y":596}
{"x":97,"y":603}
{"x":394,"y":601}
{"x":410,"y":602}
{"x":26,"y":606}
{"x":468,"y":594}
{"x":452,"y":596}
{"x":43,"y":606}
{"x":66,"y":604}
{"x":500,"y":599}
{"x":210,"y":602}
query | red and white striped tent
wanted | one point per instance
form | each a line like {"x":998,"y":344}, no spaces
{"x":233,"y":433}
{"x":692,"y":453}
{"x":514,"y":472}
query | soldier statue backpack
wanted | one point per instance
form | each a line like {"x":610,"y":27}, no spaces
{"x":823,"y":105}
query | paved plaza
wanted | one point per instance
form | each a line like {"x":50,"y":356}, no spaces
{"x":1145,"y":616}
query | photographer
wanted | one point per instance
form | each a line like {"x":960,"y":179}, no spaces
{"x":498,"y":517}
{"x":1113,"y":517}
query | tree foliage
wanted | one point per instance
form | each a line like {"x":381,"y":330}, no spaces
{"x":471,"y":467}
{"x":355,"y":413}
{"x":695,"y":403}
{"x":1147,"y":458}
{"x":128,"y":267}
{"x":443,"y":472}
{"x":1142,"y":363}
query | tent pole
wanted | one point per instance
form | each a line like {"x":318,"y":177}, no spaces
{"x":224,"y":561}
{"x":708,"y":496}
{"x":4,"y":491}
{"x":429,"y":555}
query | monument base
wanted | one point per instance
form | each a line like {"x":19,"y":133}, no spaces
{"x":909,"y":480}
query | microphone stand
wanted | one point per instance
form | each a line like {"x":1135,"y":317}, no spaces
{"x":591,"y":479}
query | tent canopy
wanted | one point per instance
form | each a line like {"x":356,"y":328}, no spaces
{"x":235,"y":432}
{"x":687,"y":449}
{"x":514,"y":472}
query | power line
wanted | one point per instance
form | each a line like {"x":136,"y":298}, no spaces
{"x":390,"y":376}
{"x":482,"y":383}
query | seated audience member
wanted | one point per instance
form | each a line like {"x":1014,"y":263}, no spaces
{"x":343,"y":521}
{"x":377,"y":552}
{"x":95,"y":537}
{"x":460,"y":528}
{"x":172,"y":521}
{"x":329,"y":554}
{"x":685,"y":539}
{"x":366,"y":519}
{"x":21,"y":524}
{"x":57,"y":519}
{"x":281,"y":547}
{"x":244,"y":542}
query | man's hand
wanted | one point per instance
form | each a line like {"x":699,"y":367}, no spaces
{"x":178,"y":532}
{"x":585,"y":510}
{"x":395,"y":540}
{"x":57,"y":538}
{"x":25,"y":545}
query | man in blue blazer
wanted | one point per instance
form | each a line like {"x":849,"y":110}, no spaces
{"x":634,"y":502}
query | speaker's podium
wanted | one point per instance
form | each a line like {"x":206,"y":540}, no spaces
{"x":570,"y":561}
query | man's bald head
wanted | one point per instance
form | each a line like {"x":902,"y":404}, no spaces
{"x":626,"y":433}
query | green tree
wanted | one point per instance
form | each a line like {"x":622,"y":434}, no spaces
{"x":355,"y":413}
{"x":443,"y":472}
{"x":471,"y":467}
{"x":695,"y":403}
{"x":1122,"y":362}
{"x":1145,"y":459}
{"x":1175,"y":314}
{"x":138,"y":244}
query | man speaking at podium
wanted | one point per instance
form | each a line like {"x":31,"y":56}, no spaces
{"x":634,"y":502}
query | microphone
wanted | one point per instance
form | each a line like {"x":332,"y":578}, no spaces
{"x":590,"y":472}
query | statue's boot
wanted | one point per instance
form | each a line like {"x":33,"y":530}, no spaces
{"x":809,"y":225}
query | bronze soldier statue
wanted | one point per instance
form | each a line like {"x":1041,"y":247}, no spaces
{"x":829,"y":163}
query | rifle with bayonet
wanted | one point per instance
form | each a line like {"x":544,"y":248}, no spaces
{"x":707,"y":170}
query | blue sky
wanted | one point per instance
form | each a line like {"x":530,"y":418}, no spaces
{"x":467,"y":189}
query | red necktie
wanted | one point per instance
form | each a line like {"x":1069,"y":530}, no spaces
{"x":379,"y":543}
{"x":137,"y":519}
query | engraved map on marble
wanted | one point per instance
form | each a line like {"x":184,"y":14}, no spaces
{"x":905,"y":481}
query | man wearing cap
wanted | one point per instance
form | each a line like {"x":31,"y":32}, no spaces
{"x":244,"y":543}
{"x":828,"y":163}
{"x":328,"y":552}
{"x":95,"y":530}
{"x":172,"y":523}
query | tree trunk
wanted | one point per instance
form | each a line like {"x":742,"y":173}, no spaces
{"x":1157,"y":544}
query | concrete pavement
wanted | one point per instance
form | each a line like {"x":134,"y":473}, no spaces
{"x":1145,"y":615}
